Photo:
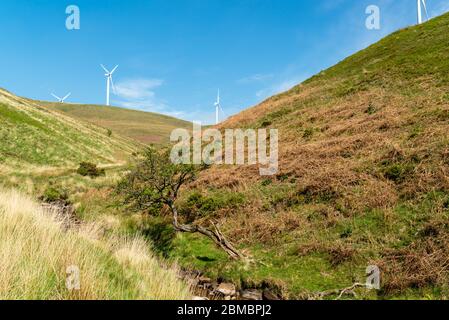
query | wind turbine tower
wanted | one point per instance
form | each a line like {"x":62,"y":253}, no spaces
{"x":109,"y":82}
{"x":217,"y":108}
{"x":422,"y":5}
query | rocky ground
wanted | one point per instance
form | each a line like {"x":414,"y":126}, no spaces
{"x":205,"y":288}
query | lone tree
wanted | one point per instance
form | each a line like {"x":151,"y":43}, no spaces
{"x":155,"y":182}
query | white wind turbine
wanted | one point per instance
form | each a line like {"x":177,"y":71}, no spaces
{"x":61,"y":100}
{"x":421,"y":5}
{"x":109,"y":82}
{"x":218,"y":108}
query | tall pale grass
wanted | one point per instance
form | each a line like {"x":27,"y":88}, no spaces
{"x":35,"y":252}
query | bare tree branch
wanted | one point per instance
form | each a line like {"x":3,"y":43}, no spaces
{"x":155,"y":181}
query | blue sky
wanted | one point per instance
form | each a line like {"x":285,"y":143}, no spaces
{"x":175,"y":54}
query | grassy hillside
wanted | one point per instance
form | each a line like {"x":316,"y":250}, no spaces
{"x":144,"y":127}
{"x":36,"y":251}
{"x":363,"y":180}
{"x":40,"y":150}
{"x":36,"y":138}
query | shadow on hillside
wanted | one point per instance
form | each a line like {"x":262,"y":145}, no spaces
{"x":161,"y":235}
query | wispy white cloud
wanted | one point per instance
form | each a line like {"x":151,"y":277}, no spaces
{"x":280,"y":87}
{"x":141,"y":94}
{"x":255,"y":78}
{"x":138,"y":89}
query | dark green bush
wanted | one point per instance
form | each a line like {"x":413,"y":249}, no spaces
{"x":397,"y":172}
{"x":266,"y":124}
{"x":54,"y":194}
{"x":88,"y":169}
{"x":371,"y":110}
{"x":267,"y":182}
{"x":308,"y":133}
{"x":200,"y":205}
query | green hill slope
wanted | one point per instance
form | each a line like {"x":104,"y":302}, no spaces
{"x":40,"y":150}
{"x":363,"y":177}
{"x":35,"y":138}
{"x":144,"y":127}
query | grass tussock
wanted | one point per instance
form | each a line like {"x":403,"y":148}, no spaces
{"x":35,"y":253}
{"x":423,"y":263}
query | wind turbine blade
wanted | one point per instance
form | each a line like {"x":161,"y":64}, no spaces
{"x":425,"y":8}
{"x":65,"y":98}
{"x":56,"y":97}
{"x":222,"y":111}
{"x":113,"y":70}
{"x":106,"y":70}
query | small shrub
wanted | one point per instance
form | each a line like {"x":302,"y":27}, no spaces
{"x":311,"y":194}
{"x":201,"y":205}
{"x":384,"y":126}
{"x":282,"y":177}
{"x":109,"y":133}
{"x":308,"y":133}
{"x":397,"y":172}
{"x":88,"y":169}
{"x":265,"y":124}
{"x":53,"y":194}
{"x":266,"y":182}
{"x":371,"y":110}
{"x":346,"y":154}
{"x":346,"y":233}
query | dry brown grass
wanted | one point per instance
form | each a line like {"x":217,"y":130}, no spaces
{"x":337,"y":253}
{"x":342,"y":157}
{"x":35,"y":253}
{"x":363,"y":160}
{"x":348,"y":144}
{"x":423,"y":263}
{"x":262,"y":227}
